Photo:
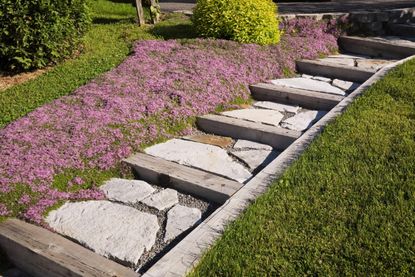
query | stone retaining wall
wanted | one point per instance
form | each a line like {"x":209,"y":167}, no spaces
{"x":367,"y":22}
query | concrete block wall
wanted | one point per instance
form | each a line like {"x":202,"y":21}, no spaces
{"x":363,"y":22}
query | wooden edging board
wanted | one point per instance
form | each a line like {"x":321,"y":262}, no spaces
{"x":304,"y":98}
{"x":183,"y":178}
{"x":39,"y":252}
{"x":277,"y":137}
{"x":375,"y":47}
{"x":334,"y":71}
{"x":181,"y":259}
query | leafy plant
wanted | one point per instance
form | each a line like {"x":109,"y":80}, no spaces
{"x":247,"y":21}
{"x":34,"y":33}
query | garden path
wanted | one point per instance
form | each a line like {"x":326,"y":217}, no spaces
{"x":202,"y":171}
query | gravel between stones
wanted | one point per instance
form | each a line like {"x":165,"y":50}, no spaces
{"x":160,"y":247}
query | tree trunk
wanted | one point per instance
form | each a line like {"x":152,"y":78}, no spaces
{"x":154,"y":11}
{"x":140,"y":13}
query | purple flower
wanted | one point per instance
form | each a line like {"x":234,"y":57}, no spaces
{"x":3,"y":210}
{"x":161,"y":84}
{"x":24,"y":200}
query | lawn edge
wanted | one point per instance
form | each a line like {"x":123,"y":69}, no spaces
{"x":184,"y":256}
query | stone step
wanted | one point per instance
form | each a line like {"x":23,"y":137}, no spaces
{"x":364,"y":62}
{"x":308,"y":99}
{"x":186,"y":179}
{"x":334,"y":71}
{"x":387,"y":47}
{"x":321,"y":84}
{"x":402,"y":29}
{"x":40,"y":252}
{"x":207,"y":157}
{"x":277,"y":137}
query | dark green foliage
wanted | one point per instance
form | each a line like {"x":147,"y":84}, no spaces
{"x":34,"y":33}
{"x":345,"y":208}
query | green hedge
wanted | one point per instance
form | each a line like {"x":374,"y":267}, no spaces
{"x":34,"y":33}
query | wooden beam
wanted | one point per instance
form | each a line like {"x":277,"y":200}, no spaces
{"x":402,"y":29}
{"x":376,"y":47}
{"x":334,"y":71}
{"x":277,"y":137}
{"x":304,"y":98}
{"x":40,"y":252}
{"x":186,"y":179}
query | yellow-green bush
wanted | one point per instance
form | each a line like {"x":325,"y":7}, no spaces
{"x":247,"y":21}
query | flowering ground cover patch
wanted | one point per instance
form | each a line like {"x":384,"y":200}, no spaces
{"x":65,"y":149}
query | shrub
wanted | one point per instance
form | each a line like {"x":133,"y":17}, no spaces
{"x":247,"y":21}
{"x":34,"y":33}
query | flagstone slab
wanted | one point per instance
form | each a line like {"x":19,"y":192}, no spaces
{"x":220,"y":141}
{"x":126,"y":191}
{"x":255,"y":158}
{"x":308,"y":84}
{"x":277,"y":106}
{"x":339,"y":60}
{"x":162,"y":200}
{"x":180,"y":219}
{"x":323,"y":79}
{"x":270,"y":117}
{"x":203,"y":156}
{"x":303,"y":120}
{"x":375,"y":64}
{"x":109,"y":229}
{"x":345,"y":85}
{"x":349,"y":56}
{"x":247,"y":144}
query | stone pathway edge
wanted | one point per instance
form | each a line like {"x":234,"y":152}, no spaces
{"x":181,"y":259}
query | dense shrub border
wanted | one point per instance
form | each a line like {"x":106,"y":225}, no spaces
{"x":345,"y":208}
{"x":34,"y":33}
{"x":104,"y":46}
{"x":64,"y":149}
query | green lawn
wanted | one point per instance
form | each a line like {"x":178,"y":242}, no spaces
{"x":105,"y":46}
{"x":345,"y":208}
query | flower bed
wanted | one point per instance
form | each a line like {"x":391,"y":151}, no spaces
{"x":55,"y":152}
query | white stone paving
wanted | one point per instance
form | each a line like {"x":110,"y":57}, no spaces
{"x":277,"y":106}
{"x":349,"y":56}
{"x":308,"y":84}
{"x":270,"y":117}
{"x":339,"y":60}
{"x":162,"y":200}
{"x":345,"y":85}
{"x":375,"y":64}
{"x":254,"y":158}
{"x":303,"y":120}
{"x":323,"y":79}
{"x":110,"y":229}
{"x":203,"y":156}
{"x":243,"y":144}
{"x":180,"y":219}
{"x":126,"y":191}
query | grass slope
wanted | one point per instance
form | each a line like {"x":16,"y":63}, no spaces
{"x":346,"y":207}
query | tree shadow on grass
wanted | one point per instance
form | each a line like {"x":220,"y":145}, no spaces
{"x":175,"y":26}
{"x":179,"y":31}
{"x":106,"y":20}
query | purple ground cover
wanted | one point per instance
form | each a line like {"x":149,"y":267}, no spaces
{"x":162,"y":84}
